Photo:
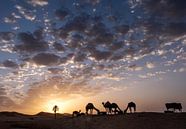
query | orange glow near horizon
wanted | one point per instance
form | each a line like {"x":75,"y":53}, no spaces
{"x":62,"y":105}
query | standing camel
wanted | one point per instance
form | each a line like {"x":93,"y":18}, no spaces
{"x":107,"y":107}
{"x":112,"y":107}
{"x":130,"y":106}
{"x":91,"y":107}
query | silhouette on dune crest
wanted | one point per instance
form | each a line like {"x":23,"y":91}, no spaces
{"x":90,"y":107}
{"x":174,"y":106}
{"x":107,"y":107}
{"x":76,"y":113}
{"x":130,"y":106}
{"x":112,"y":108}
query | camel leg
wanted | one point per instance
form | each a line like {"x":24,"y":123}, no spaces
{"x":110,"y":110}
{"x":87,"y":111}
{"x":107,"y":110}
{"x":130,"y":109}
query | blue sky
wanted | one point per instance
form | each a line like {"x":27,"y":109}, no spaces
{"x":87,"y":49}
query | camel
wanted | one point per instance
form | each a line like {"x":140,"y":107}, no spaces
{"x":116,"y":108}
{"x":109,"y":106}
{"x":76,"y":113}
{"x":90,"y":107}
{"x":174,"y":106}
{"x":130,"y":106}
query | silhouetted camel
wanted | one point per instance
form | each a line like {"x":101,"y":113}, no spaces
{"x":174,"y":106}
{"x":91,"y":107}
{"x":116,"y":109}
{"x":76,"y":113}
{"x":112,"y":108}
{"x":130,"y":106}
{"x":107,"y":107}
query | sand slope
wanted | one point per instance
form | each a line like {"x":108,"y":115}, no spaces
{"x":127,"y":121}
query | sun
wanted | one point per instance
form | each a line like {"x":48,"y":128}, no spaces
{"x":51,"y":103}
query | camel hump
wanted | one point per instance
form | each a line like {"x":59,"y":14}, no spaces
{"x":131,"y":104}
{"x":90,"y":104}
{"x":114,"y":105}
{"x":107,"y":103}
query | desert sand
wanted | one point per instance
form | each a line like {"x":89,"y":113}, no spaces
{"x":143,"y":120}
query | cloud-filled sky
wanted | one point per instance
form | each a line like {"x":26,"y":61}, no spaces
{"x":92,"y":50}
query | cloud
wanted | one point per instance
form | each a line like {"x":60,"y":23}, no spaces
{"x":150,"y":65}
{"x":46,"y":59}
{"x":176,"y":29}
{"x":116,"y":45}
{"x":135,"y":68}
{"x":108,"y":77}
{"x":27,"y":14}
{"x":38,"y":2}
{"x":78,"y":23}
{"x":55,"y":70}
{"x":61,"y":14}
{"x":182,"y":70}
{"x":166,"y":18}
{"x":93,"y":2}
{"x":6,"y":36}
{"x":12,"y":18}
{"x":122,"y":29}
{"x":31,"y":43}
{"x":5,"y":101}
{"x":80,"y":56}
{"x":167,"y":8}
{"x":96,"y":29}
{"x":59,"y":46}
{"x":75,"y":41}
{"x":101,"y":55}
{"x":10,"y":64}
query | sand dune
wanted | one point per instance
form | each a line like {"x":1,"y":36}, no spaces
{"x":128,"y":121}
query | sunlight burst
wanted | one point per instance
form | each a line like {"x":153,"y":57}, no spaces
{"x":51,"y":103}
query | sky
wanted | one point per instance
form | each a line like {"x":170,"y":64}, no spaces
{"x":72,"y":52}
